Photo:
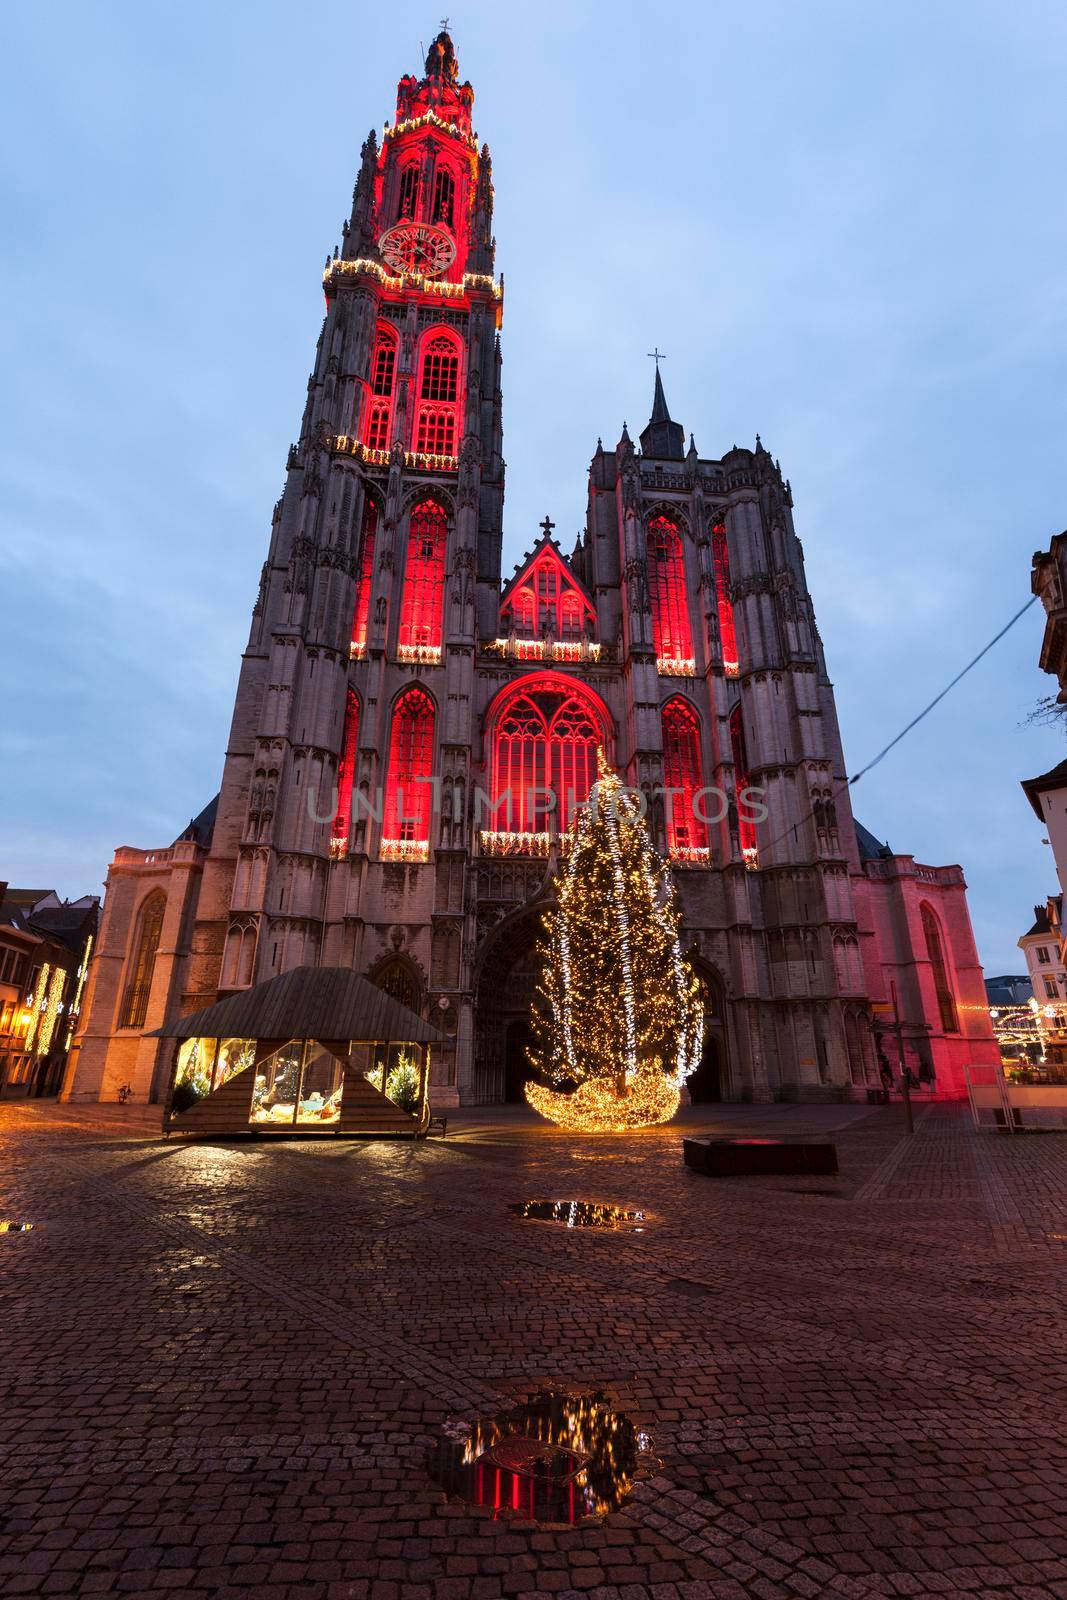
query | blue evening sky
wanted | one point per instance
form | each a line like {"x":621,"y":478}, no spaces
{"x":843,"y":223}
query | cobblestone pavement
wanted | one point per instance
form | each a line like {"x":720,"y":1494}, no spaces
{"x":222,"y":1366}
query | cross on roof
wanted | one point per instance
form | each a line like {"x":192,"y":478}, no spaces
{"x":444,"y":24}
{"x":546,"y":526}
{"x":657,"y":356}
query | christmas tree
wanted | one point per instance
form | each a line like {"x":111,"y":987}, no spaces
{"x":617,"y":1019}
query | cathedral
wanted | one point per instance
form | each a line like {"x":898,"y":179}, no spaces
{"x":413,"y":729}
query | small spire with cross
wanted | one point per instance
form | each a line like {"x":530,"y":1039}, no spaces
{"x":657,"y":356}
{"x":444,"y":24}
{"x":546,"y":527}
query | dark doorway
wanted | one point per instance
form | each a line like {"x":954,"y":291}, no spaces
{"x":517,"y":1068}
{"x":705,"y":1086}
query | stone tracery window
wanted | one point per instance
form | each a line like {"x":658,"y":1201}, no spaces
{"x":437,"y":423}
{"x":935,"y":950}
{"x":346,"y":770}
{"x":409,"y":791}
{"x":409,"y":191}
{"x":422,"y":603}
{"x":727,"y":631}
{"x":682,"y":773}
{"x":444,"y":194}
{"x":145,"y":944}
{"x":746,"y":828}
{"x":544,"y":739}
{"x":364,"y":578}
{"x":671,"y":630}
{"x":383,"y":373}
{"x":548,"y":599}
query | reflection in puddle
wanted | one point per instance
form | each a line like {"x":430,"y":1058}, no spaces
{"x":580,"y":1214}
{"x":556,"y":1458}
{"x":17,"y":1227}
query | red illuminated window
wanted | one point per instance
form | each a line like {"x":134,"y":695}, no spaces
{"x":545,"y":739}
{"x":384,"y":366}
{"x":548,"y":597}
{"x":424,"y":579}
{"x":346,"y":771}
{"x":666,"y":579}
{"x":407,"y":800}
{"x":378,"y":427}
{"x":727,"y":632}
{"x":524,"y":610}
{"x":444,"y":192}
{"x":746,"y":828}
{"x":440,"y":370}
{"x":364,"y":577}
{"x":409,"y":190}
{"x":570,"y":617}
{"x":682,"y":774}
{"x":436,"y":434}
{"x":383,"y":370}
{"x":935,"y":950}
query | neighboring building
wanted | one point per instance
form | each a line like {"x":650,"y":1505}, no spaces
{"x":1009,"y":992}
{"x":1042,"y":947}
{"x":403,"y":715}
{"x":1048,"y":799}
{"x":917,"y":940}
{"x":1048,"y":579}
{"x":45,"y":947}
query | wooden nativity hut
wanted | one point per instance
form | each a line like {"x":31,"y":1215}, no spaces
{"x":316,"y":1051}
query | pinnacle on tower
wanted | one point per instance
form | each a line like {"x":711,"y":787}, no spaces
{"x":662,"y":439}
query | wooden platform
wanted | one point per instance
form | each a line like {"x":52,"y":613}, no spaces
{"x":737,"y":1158}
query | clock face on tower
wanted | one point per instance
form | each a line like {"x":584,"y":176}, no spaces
{"x":415,"y":247}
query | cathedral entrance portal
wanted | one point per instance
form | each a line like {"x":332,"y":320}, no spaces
{"x":507,"y":979}
{"x":709,"y":1082}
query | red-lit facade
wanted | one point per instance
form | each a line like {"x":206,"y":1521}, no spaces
{"x":413,"y":731}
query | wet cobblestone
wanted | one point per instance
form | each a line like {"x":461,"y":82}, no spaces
{"x":222,"y":1366}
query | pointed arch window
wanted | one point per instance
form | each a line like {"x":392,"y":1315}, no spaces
{"x":444,"y":197}
{"x":524,"y":611}
{"x":671,"y":631}
{"x":548,"y":601}
{"x":409,"y":787}
{"x":746,"y":828}
{"x":687,"y":834}
{"x":436,"y":425}
{"x":935,"y":950}
{"x":422,"y":606}
{"x":727,"y":632}
{"x":346,"y":771}
{"x":364,"y":578}
{"x":382,"y":377}
{"x":436,"y":433}
{"x":145,"y":944}
{"x":409,"y":191}
{"x":544,"y":761}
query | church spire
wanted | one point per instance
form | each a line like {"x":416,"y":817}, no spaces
{"x":662,"y":439}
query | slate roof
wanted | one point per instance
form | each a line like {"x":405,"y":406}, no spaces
{"x":203,"y":826}
{"x":307,"y":1003}
{"x":871,"y":849}
{"x":1055,"y":778}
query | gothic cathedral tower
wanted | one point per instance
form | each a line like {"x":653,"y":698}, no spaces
{"x":385,"y":552}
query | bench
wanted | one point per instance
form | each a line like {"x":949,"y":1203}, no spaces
{"x":739,"y":1158}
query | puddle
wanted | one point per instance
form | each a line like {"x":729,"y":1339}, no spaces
{"x":580,"y":1214}
{"x":556,"y":1458}
{"x":17,"y":1227}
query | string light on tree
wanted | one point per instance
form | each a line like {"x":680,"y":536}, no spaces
{"x":617,"y":1021}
